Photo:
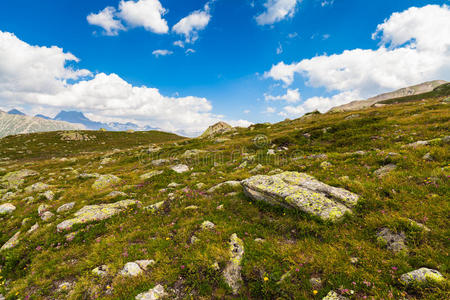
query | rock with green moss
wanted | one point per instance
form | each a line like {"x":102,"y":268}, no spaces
{"x":16,"y":178}
{"x":12,"y":242}
{"x":153,"y":294}
{"x":232,"y":272}
{"x":37,"y":187}
{"x":95,"y":213}
{"x":332,"y":295}
{"x":303,"y":192}
{"x":422,"y":276}
{"x":7,"y":208}
{"x":395,"y":242}
{"x":105,"y":182}
{"x":150,"y":174}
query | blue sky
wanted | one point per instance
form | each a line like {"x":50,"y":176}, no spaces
{"x":228,"y":72}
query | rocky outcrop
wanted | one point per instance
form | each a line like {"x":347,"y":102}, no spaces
{"x":16,"y":178}
{"x":303,"y":192}
{"x":232,"y":272}
{"x":95,"y":213}
{"x":393,"y":241}
{"x":218,"y":128}
{"x":105,"y":182}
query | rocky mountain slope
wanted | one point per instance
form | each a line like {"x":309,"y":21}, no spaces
{"x":408,"y":91}
{"x":346,"y":205}
{"x":17,"y":124}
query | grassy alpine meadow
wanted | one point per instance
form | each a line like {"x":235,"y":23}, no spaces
{"x":288,"y":254}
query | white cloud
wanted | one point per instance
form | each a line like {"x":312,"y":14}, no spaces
{"x":106,"y":19}
{"x":415,"y":47}
{"x":189,"y":51}
{"x":190,"y":26}
{"x":34,"y":76}
{"x":162,"y":52}
{"x":142,"y":13}
{"x":179,"y":44}
{"x":279,"y":49}
{"x":145,"y":13}
{"x":326,"y":36}
{"x":327,"y":3}
{"x":270,"y":110}
{"x":290,"y":96}
{"x":246,"y":111}
{"x":277,"y":10}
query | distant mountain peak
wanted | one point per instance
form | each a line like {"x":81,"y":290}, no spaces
{"x":16,"y":112}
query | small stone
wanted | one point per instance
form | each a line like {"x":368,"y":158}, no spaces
{"x":231,"y":183}
{"x":173,"y":185}
{"x":65,"y":207}
{"x":105,"y":182}
{"x":37,"y":187}
{"x":65,"y":286}
{"x":242,"y":165}
{"x":144,"y":264}
{"x":220,"y":207}
{"x":422,"y":276}
{"x":42,"y":209}
{"x":29,"y":200}
{"x":316,"y":283}
{"x":257,"y":169}
{"x":354,"y":260}
{"x":101,"y":271}
{"x":159,"y":162}
{"x":153,"y":294}
{"x":191,"y":207}
{"x":155,"y":207}
{"x":106,"y":160}
{"x":207,"y":225}
{"x":49,"y":195}
{"x":12,"y":242}
{"x":270,"y":152}
{"x":7,"y":208}
{"x":419,"y":225}
{"x":260,"y":240}
{"x":383,"y":171}
{"x":393,"y":241}
{"x":33,"y":228}
{"x":332,"y":295}
{"x":180,"y":168}
{"x":326,"y":165}
{"x":194,"y":239}
{"x":47,"y":216}
{"x":200,"y":185}
{"x":131,"y":269}
{"x":149,"y":175}
{"x":428,"y":157}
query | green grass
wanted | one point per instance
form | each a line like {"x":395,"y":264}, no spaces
{"x":294,"y":241}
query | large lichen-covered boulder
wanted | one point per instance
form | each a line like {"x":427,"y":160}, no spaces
{"x":105,"y":182}
{"x":232,"y":272}
{"x":150,"y":174}
{"x":16,"y":178}
{"x":7,"y":208}
{"x":303,"y":192}
{"x":153,"y":294}
{"x":37,"y":187}
{"x":95,"y":213}
{"x":422,"y":276}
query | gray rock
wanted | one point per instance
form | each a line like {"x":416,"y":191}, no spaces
{"x":428,"y":157}
{"x":154,"y":207}
{"x":42,"y":209}
{"x":131,"y":269}
{"x":87,"y":175}
{"x":150,"y":174}
{"x":160,"y":162}
{"x":231,"y":183}
{"x":303,"y":192}
{"x":316,"y":282}
{"x":417,"y":144}
{"x":101,"y":271}
{"x":383,"y":171}
{"x":37,"y":187}
{"x":47,"y":216}
{"x":192,"y":153}
{"x":33,"y":228}
{"x":256,"y":169}
{"x":393,"y":241}
{"x":95,"y":213}
{"x":180,"y":168}
{"x":332,"y":295}
{"x":207,"y":225}
{"x":105,"y":182}
{"x":7,"y":208}
{"x":317,"y":156}
{"x":153,"y":294}
{"x":422,"y":276}
{"x":232,"y":272}
{"x":12,"y":242}
{"x":65,"y":207}
{"x":65,"y":286}
{"x":115,"y":194}
{"x":16,"y":178}
{"x":49,"y":195}
{"x":325,"y":165}
{"x":145,"y":263}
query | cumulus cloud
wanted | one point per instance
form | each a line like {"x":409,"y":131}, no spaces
{"x":414,"y":47}
{"x":162,"y":52}
{"x":277,"y":10}
{"x":34,"y":76}
{"x":290,"y":96}
{"x":107,"y":20}
{"x":190,"y":26}
{"x":179,"y":44}
{"x":142,"y":13}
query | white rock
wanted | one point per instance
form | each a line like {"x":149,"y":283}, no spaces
{"x":42,"y":209}
{"x":131,"y":269}
{"x":65,"y":207}
{"x":46,"y":216}
{"x":144,"y":264}
{"x":7,"y":208}
{"x":180,"y":168}
{"x":156,"y":293}
{"x":101,"y":271}
{"x":207,"y":225}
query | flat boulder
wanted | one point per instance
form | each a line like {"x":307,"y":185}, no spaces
{"x":153,"y":294}
{"x":150,"y":174}
{"x":95,"y":213}
{"x":232,"y":272}
{"x":180,"y":168}
{"x":16,"y":178}
{"x":7,"y":208}
{"x":37,"y":187}
{"x":105,"y":182}
{"x":303,"y":192}
{"x":422,"y":276}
